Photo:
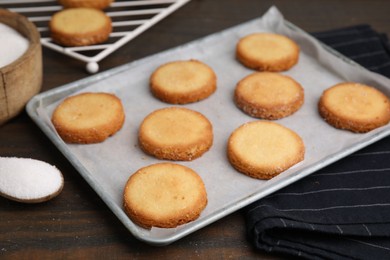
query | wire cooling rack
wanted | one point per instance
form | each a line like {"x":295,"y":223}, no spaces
{"x":129,"y":19}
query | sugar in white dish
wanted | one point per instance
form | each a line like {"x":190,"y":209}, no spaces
{"x":12,"y":45}
{"x":29,"y":180}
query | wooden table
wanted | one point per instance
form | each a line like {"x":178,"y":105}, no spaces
{"x":77,"y":224}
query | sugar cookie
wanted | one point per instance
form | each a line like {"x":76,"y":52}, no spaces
{"x":98,"y":4}
{"x":175,"y":133}
{"x":267,"y":52}
{"x":355,"y":107}
{"x":80,"y":26}
{"x":268,"y":95}
{"x":182,"y":82}
{"x":88,"y":117}
{"x":164,"y":195}
{"x":263,"y":149}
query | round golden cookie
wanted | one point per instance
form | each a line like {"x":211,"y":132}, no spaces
{"x":263,"y":149}
{"x":267,"y":52}
{"x":88,"y":117}
{"x":80,"y":27}
{"x":355,"y":107}
{"x":182,"y":82}
{"x":268,"y":95}
{"x":164,"y":195}
{"x":98,"y":4}
{"x":175,"y":134}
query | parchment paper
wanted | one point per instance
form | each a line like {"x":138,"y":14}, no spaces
{"x":107,"y":166}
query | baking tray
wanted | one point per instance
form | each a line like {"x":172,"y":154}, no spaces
{"x":108,"y":165}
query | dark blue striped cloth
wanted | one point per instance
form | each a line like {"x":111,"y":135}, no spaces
{"x":361,"y":44}
{"x":343,"y":210}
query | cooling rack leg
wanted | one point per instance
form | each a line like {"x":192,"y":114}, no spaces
{"x":92,"y":67}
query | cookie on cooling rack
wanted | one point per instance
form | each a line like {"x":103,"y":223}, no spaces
{"x":267,"y":52}
{"x":355,"y":107}
{"x":175,"y":133}
{"x":164,"y":195}
{"x":98,"y":4}
{"x":263,"y":149}
{"x":80,"y":27}
{"x":182,"y":82}
{"x":269,"y":95}
{"x":88,"y":117}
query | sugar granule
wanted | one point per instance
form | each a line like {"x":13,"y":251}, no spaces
{"x":12,"y":45}
{"x":28,"y":179}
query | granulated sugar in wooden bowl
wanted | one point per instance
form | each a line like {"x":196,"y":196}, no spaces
{"x":20,"y":63}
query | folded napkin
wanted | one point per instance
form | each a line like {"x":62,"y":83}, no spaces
{"x":361,"y":44}
{"x":343,"y":210}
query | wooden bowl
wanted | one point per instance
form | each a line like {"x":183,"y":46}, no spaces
{"x":21,"y":79}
